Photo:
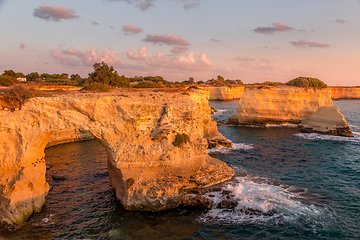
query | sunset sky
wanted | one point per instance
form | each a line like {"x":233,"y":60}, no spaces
{"x":251,"y":40}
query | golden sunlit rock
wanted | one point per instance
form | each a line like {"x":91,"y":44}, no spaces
{"x":156,"y":142}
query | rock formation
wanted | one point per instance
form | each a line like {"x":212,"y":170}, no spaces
{"x":327,"y":120}
{"x":225,"y":93}
{"x":156,"y":142}
{"x":345,"y":92}
{"x":276,"y":105}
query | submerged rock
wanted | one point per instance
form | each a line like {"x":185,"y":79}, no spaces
{"x":58,"y":177}
{"x":327,"y":120}
{"x":229,"y":204}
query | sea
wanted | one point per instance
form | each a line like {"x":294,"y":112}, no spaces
{"x":287,"y":185}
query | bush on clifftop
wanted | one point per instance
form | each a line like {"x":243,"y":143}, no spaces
{"x":306,"y":82}
{"x":7,"y":81}
{"x":106,"y":75}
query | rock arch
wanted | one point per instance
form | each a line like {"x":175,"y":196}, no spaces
{"x":138,"y":130}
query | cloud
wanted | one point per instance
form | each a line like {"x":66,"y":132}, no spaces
{"x":129,"y":29}
{"x":179,"y":62}
{"x":166,"y":39}
{"x":143,"y":5}
{"x":306,"y":43}
{"x":244,"y":59}
{"x":22,"y":46}
{"x":188,"y":6}
{"x":179,"y":49}
{"x":54,"y":14}
{"x":215,"y":40}
{"x":341,"y":21}
{"x":277,"y":27}
{"x":95,"y":23}
{"x":72,"y":57}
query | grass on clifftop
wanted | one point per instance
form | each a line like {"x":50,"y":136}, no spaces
{"x":7,"y":81}
{"x":17,"y":95}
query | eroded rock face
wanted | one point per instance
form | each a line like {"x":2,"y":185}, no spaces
{"x":225,"y":93}
{"x":345,"y":92}
{"x":278,"y":105}
{"x":156,"y":144}
{"x":327,"y":120}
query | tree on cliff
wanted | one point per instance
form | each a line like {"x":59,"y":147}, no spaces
{"x":106,"y":75}
{"x":9,"y":73}
{"x":32,"y":76}
{"x":306,"y":82}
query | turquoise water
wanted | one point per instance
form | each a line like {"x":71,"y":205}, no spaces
{"x":300,"y":186}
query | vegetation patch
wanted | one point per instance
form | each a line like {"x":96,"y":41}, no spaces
{"x":97,"y":87}
{"x":7,"y":81}
{"x":306,"y":82}
{"x":147,"y":85}
{"x":17,"y":96}
{"x":180,"y":139}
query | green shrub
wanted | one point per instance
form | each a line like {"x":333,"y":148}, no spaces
{"x":97,"y":87}
{"x":7,"y":81}
{"x":147,"y":85}
{"x":306,"y":82}
{"x":18,"y":95}
{"x":268,"y":83}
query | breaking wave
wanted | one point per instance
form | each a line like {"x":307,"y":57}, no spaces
{"x":227,"y":150}
{"x":260,"y":202}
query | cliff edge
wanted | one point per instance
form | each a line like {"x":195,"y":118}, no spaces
{"x":156,"y":142}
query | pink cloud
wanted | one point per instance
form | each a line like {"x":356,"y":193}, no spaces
{"x":215,"y":40}
{"x":341,"y":21}
{"x":179,"y":49}
{"x":22,"y":46}
{"x":189,"y":62}
{"x":95,"y":23}
{"x":244,"y":59}
{"x":306,"y":43}
{"x":166,"y":39}
{"x":129,"y":29}
{"x":143,"y":5}
{"x":54,"y":14}
{"x":191,"y":5}
{"x":87,"y":58}
{"x":277,"y":27}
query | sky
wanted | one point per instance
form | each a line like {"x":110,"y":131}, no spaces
{"x":251,"y":40}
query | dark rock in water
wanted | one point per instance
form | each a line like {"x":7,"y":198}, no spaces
{"x":216,"y":142}
{"x":252,"y":211}
{"x":229,"y":204}
{"x":58,"y":177}
{"x":48,"y":167}
{"x":198,"y":201}
{"x":213,"y":110}
{"x":226,"y":192}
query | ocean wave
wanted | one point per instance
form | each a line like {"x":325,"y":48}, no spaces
{"x":220,"y":111}
{"x":259,"y":202}
{"x":227,"y":150}
{"x":317,"y":136}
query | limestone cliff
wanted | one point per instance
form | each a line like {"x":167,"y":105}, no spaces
{"x":156,"y":144}
{"x":276,"y":105}
{"x":327,"y":120}
{"x":345,"y":92}
{"x":225,"y":93}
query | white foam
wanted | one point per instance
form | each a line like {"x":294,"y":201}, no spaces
{"x":267,"y":203}
{"x":226,"y":150}
{"x":220,"y":111}
{"x":289,"y":125}
{"x":317,"y":136}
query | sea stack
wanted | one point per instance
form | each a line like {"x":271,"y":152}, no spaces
{"x":277,"y":105}
{"x":327,"y":120}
